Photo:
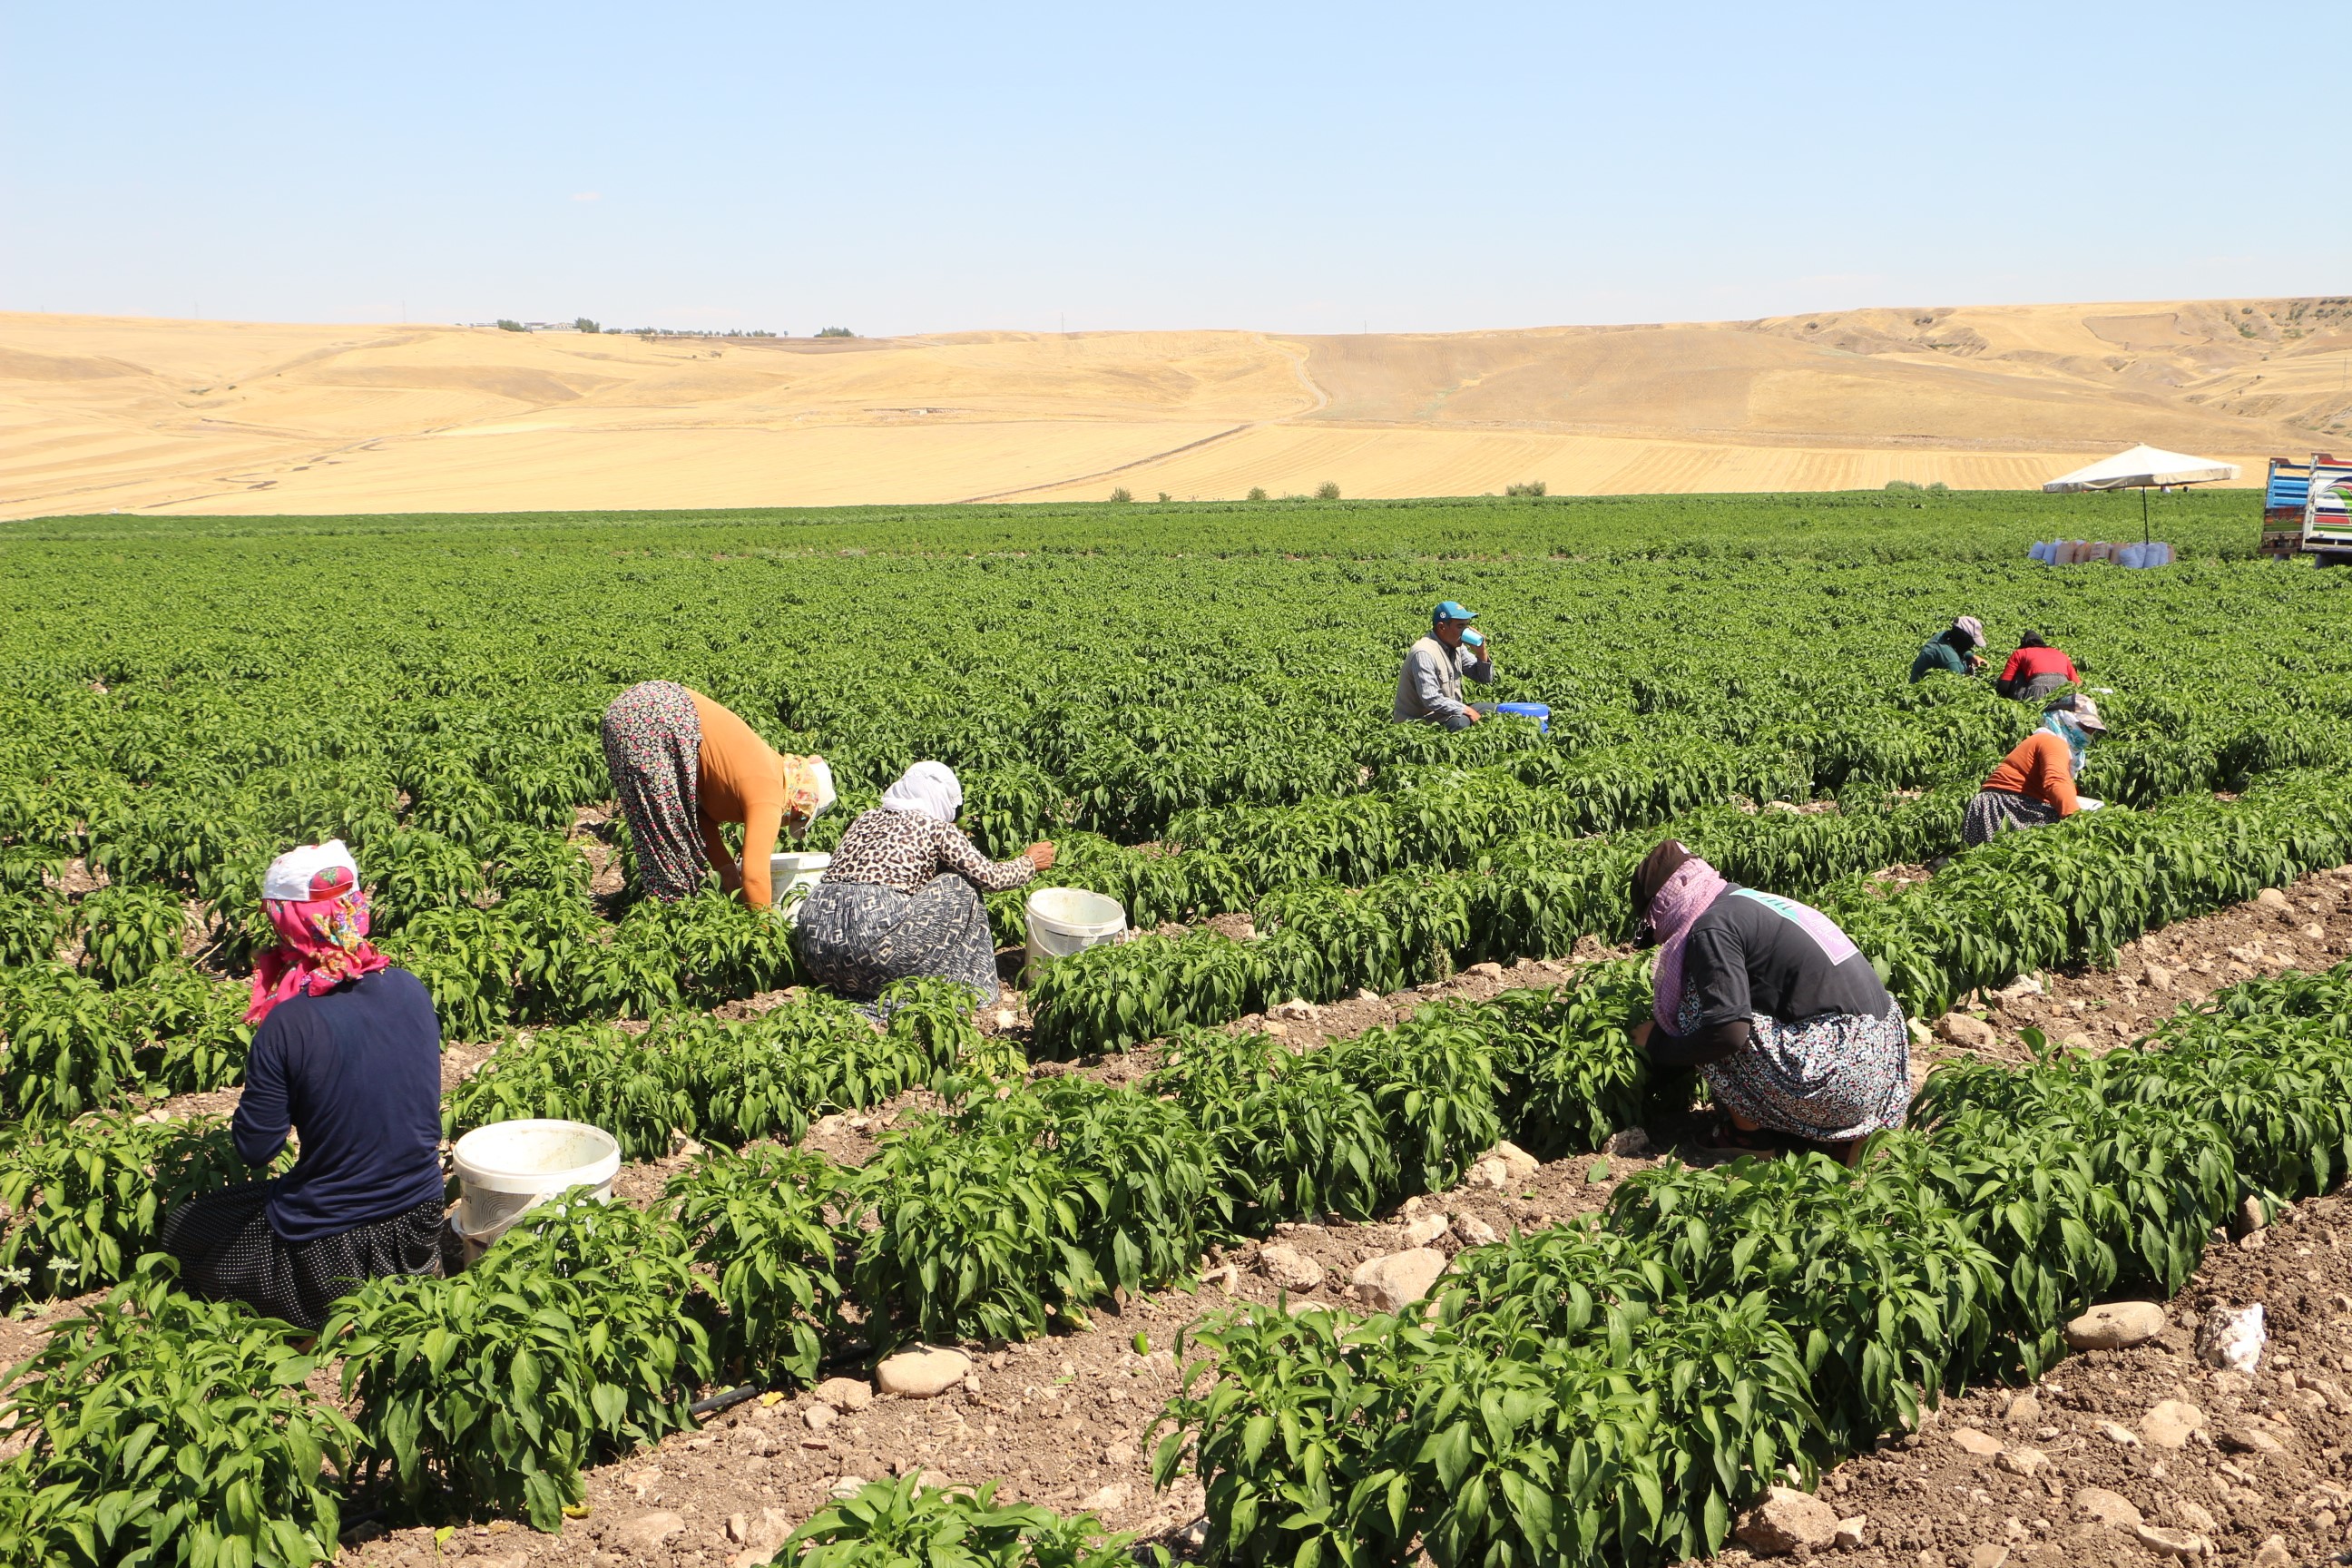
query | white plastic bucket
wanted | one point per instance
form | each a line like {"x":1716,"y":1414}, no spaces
{"x":1064,"y":920}
{"x":791,"y":877}
{"x":509,"y":1167}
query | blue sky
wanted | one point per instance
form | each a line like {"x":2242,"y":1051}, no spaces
{"x":1303,"y":168}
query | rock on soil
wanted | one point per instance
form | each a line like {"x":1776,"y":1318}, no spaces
{"x":1396,"y":1281}
{"x":1969,"y":1440}
{"x":924,"y":1372}
{"x":2170,"y":1422}
{"x":1287,"y":1268}
{"x":1517,"y":1161}
{"x":645,"y":1532}
{"x":1473,"y":1231}
{"x":2116,"y":1325}
{"x":1970,"y":1034}
{"x":845,"y":1393}
{"x":2104,"y":1506}
{"x":1786,"y":1521}
{"x":1427,"y":1228}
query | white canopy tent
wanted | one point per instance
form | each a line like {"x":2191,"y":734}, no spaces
{"x":2144,"y":469}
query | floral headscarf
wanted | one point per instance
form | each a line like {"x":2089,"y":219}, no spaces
{"x":808,"y":789}
{"x":1686,"y":893}
{"x":323,"y":937}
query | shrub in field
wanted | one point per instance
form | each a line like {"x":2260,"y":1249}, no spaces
{"x":128,"y":930}
{"x":1327,"y":491}
{"x":413,"y":871}
{"x":86,"y":1197}
{"x":176,"y":1431}
{"x":717,"y":947}
{"x":1566,"y":1072}
{"x":571,"y":1340}
{"x":902,"y":1522}
{"x":931,"y":1020}
{"x":526,"y":859}
{"x":68,"y":1051}
{"x":1431,"y":1083}
{"x":188,"y":1032}
{"x":32,"y":924}
{"x":1145,"y":1181}
{"x":974,"y":1234}
{"x":1291,"y":1137}
{"x":593,"y":1073}
{"x":465,"y":959}
{"x":29,"y":868}
{"x":555,"y":952}
{"x":455,"y":803}
{"x":769,"y":1077}
{"x":756,"y":1220}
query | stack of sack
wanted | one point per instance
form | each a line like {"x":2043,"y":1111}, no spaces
{"x":2074,"y":552}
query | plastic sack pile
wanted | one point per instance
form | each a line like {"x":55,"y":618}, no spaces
{"x":2074,"y":552}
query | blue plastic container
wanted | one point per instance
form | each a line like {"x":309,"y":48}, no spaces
{"x":1538,"y":711}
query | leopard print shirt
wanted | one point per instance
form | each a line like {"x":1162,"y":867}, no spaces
{"x":905,"y":849}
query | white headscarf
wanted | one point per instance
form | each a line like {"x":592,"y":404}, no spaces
{"x":926,"y":789}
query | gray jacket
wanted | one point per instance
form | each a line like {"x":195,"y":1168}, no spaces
{"x":1430,"y":686}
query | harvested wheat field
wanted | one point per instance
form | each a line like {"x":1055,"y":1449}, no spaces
{"x":100,"y":413}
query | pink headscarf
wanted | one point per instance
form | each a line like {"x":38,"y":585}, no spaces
{"x":1685,"y":896}
{"x":325,"y":942}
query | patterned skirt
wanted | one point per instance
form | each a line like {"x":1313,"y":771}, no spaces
{"x":653,"y":749}
{"x":1829,"y":1077}
{"x":1996,"y":811}
{"x":228,"y":1253}
{"x":856,"y":937}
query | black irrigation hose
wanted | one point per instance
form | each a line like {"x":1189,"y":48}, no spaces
{"x":726,"y":1401}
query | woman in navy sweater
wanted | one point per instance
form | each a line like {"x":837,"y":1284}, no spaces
{"x":347,"y":1051}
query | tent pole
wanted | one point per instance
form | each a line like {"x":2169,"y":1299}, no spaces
{"x":2143,"y":514}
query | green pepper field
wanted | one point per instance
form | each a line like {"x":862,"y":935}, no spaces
{"x":1191,"y":703}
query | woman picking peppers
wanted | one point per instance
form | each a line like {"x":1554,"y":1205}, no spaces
{"x":1796,"y":1037}
{"x":684,"y":765}
{"x":347,"y":1050}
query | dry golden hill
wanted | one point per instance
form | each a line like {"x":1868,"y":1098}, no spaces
{"x":99,"y":413}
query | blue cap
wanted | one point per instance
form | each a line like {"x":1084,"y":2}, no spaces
{"x":1450,"y":611}
{"x":1474,"y":638}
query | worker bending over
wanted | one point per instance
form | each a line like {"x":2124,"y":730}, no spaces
{"x":683,"y":766}
{"x":2035,"y":670}
{"x":347,"y":1051}
{"x":1796,"y":1036}
{"x":2034,"y":784}
{"x":1430,"y":686}
{"x":1954,"y":648}
{"x":902,"y":896}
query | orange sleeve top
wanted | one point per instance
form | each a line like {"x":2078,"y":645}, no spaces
{"x":742,"y":781}
{"x":2040,"y":768}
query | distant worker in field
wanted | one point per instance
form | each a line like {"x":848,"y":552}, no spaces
{"x":901,"y":899}
{"x":346,"y":1052}
{"x":1953,"y":649}
{"x":2034,"y":784}
{"x":2035,"y":670}
{"x":683,"y":766}
{"x":1430,"y":687}
{"x":1796,"y":1037}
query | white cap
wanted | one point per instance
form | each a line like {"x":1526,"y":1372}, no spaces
{"x":295,"y":877}
{"x":821,"y":773}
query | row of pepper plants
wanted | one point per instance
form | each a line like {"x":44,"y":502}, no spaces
{"x":1010,"y":1210}
{"x":1994,"y":912}
{"x":1614,"y":1391}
